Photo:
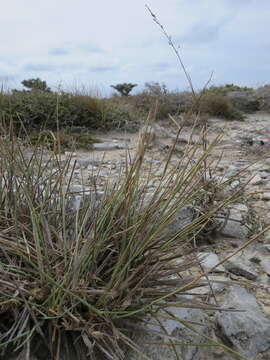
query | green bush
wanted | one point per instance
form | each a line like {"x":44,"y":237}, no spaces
{"x":230,"y":87}
{"x":38,"y":110}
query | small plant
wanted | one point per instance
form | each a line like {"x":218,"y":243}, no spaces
{"x":124,"y":89}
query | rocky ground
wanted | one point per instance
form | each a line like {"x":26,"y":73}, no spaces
{"x":248,"y":331}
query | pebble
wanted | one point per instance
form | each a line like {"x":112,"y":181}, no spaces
{"x":265,"y":196}
{"x":238,"y":266}
{"x":256,"y":180}
{"x":106,"y":147}
{"x":210,"y":260}
{"x":265,"y":264}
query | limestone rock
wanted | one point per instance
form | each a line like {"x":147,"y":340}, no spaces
{"x":210,"y":260}
{"x":234,"y":226}
{"x":265,"y":196}
{"x":239,"y":265}
{"x":265,"y":264}
{"x":107,"y":146}
{"x":256,"y":180}
{"x":248,"y":331}
{"x":176,"y":329}
{"x":181,"y":219}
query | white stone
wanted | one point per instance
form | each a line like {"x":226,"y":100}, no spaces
{"x":256,"y":180}
{"x":106,"y":147}
{"x":239,"y":265}
{"x":248,"y":331}
{"x":265,"y":264}
{"x":210,"y":260}
{"x":240,"y":207}
{"x":265,"y":196}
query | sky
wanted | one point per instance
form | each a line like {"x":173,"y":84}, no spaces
{"x":87,"y":44}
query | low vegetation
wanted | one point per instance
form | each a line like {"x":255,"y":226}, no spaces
{"x":78,"y":281}
{"x":39,"y":108}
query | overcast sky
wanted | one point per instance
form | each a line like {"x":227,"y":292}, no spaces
{"x":98,"y":43}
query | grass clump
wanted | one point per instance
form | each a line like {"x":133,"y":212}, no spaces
{"x":73,"y":279}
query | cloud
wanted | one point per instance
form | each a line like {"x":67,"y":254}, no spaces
{"x":159,"y":66}
{"x":102,"y":68}
{"x":39,"y":67}
{"x":90,"y":48}
{"x":6,"y":77}
{"x":201,"y":34}
{"x":58,"y":51}
{"x":122,"y":44}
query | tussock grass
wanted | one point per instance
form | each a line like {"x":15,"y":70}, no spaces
{"x":72,"y":280}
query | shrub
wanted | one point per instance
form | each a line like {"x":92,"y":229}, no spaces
{"x":219,"y":105}
{"x":167,"y":102}
{"x":47,"y":110}
{"x":245,"y":101}
{"x":224,"y":89}
{"x":233,"y":100}
{"x":263,"y":95}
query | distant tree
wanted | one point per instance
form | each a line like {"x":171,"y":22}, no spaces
{"x":124,"y":89}
{"x":36,"y":84}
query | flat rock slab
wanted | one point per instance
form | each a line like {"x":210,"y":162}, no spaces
{"x":148,"y":341}
{"x":265,"y":264}
{"x":107,"y":146}
{"x":209,"y":260}
{"x":248,"y":331}
{"x":235,"y":227}
{"x":238,"y":265}
{"x":265,"y":196}
{"x":182,"y":218}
